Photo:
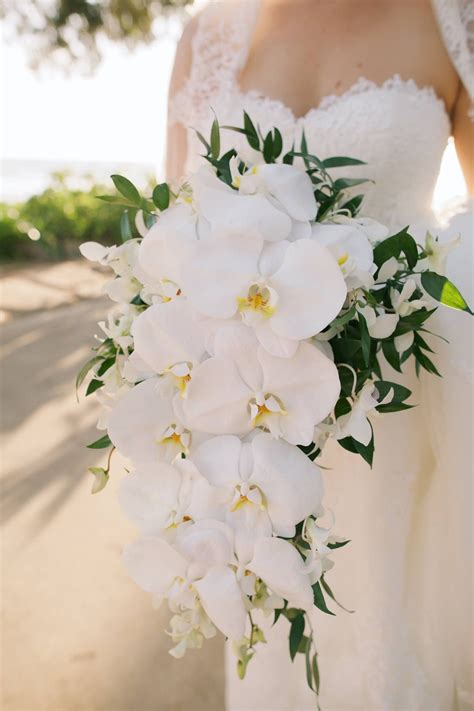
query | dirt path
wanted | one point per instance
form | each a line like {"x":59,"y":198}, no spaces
{"x":77,"y":633}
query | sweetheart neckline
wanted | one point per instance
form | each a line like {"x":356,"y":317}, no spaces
{"x":361,"y":86}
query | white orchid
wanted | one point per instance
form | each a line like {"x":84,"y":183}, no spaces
{"x":401,"y":299}
{"x":318,"y":536}
{"x":144,"y":427}
{"x":265,"y":473}
{"x":199,"y":563}
{"x":287,"y":292}
{"x":121,"y":258}
{"x":288,"y":187}
{"x":356,"y":423}
{"x":352,"y":250}
{"x":169,"y":340}
{"x":379,"y":324}
{"x":228,"y":211}
{"x":166,"y":245}
{"x":189,"y":629}
{"x":161,"y":497}
{"x":242,"y":387}
{"x":117,"y":327}
{"x":437,"y":252}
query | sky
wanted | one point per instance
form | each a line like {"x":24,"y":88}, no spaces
{"x":116,"y":115}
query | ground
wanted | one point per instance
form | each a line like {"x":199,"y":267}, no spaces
{"x":77,"y":633}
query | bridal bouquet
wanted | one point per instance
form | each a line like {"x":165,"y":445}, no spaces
{"x":252,"y":308}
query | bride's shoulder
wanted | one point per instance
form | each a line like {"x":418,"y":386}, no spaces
{"x":212,"y":42}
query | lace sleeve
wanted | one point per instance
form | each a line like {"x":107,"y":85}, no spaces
{"x":219,"y":49}
{"x":456,"y":22}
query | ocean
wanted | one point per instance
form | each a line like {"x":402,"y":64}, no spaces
{"x":19,"y":179}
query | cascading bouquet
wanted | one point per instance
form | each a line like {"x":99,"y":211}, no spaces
{"x":252,"y":306}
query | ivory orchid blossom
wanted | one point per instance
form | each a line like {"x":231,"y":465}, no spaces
{"x":242,"y":387}
{"x":266,"y":473}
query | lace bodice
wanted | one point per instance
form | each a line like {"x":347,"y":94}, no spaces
{"x":398,"y":128}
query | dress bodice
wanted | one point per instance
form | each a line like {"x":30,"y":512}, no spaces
{"x":399,"y":129}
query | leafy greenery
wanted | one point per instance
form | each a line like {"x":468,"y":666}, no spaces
{"x":70,"y":29}
{"x":51,"y":225}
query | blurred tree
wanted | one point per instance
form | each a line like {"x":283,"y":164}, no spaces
{"x":66,"y":31}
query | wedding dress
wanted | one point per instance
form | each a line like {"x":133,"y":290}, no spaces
{"x":406,"y":572}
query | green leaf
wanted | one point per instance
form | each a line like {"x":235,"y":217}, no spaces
{"x":268,"y":148}
{"x":343,"y":183}
{"x":425,"y":362}
{"x":329,"y":592}
{"x":309,"y":670}
{"x":106,"y":364}
{"x":101,"y":479}
{"x":365,"y":339}
{"x":339,"y":544}
{"x":316,"y":676}
{"x":394,"y":407}
{"x":203,"y":141}
{"x":161,"y":196}
{"x":127,"y":189}
{"x":215,"y":140}
{"x":413,"y":321}
{"x":125,"y":229}
{"x":85,"y":369}
{"x":420,"y":341}
{"x":343,"y":406}
{"x":296,"y":633}
{"x":353,"y":204}
{"x":444,"y":291}
{"x":409,"y":249}
{"x":341,"y":161}
{"x":100,"y":443}
{"x":277,"y":143}
{"x":391,"y":354}
{"x":388,"y":248}
{"x":352,"y":445}
{"x":93,"y":386}
{"x":251,"y":132}
{"x":115,"y":200}
{"x":400,"y":393}
{"x":278,"y":613}
{"x":319,"y":600}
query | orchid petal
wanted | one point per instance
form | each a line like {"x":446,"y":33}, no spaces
{"x":311,"y":290}
{"x":148,"y":495}
{"x":307,"y":384}
{"x":217,"y":399}
{"x":221,"y":598}
{"x":281,"y":567}
{"x":384,"y":326}
{"x":292,"y":188}
{"x":168,"y":243}
{"x":153,"y":564}
{"x":166,"y":334}
{"x":218,"y":458}
{"x":218,"y":271}
{"x":291,"y":483}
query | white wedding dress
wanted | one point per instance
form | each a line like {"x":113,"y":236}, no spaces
{"x":407,"y":572}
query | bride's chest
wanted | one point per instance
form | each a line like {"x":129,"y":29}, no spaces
{"x":398,"y":129}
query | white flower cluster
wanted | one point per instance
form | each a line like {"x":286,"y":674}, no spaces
{"x":222,"y":371}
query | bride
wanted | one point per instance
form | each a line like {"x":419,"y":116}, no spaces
{"x":385,"y":81}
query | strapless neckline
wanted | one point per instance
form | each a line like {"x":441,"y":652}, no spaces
{"x":361,"y":86}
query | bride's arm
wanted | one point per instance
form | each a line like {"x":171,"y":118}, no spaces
{"x":176,"y":145}
{"x":463,"y":132}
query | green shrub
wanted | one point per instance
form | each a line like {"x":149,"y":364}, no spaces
{"x":51,"y":225}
